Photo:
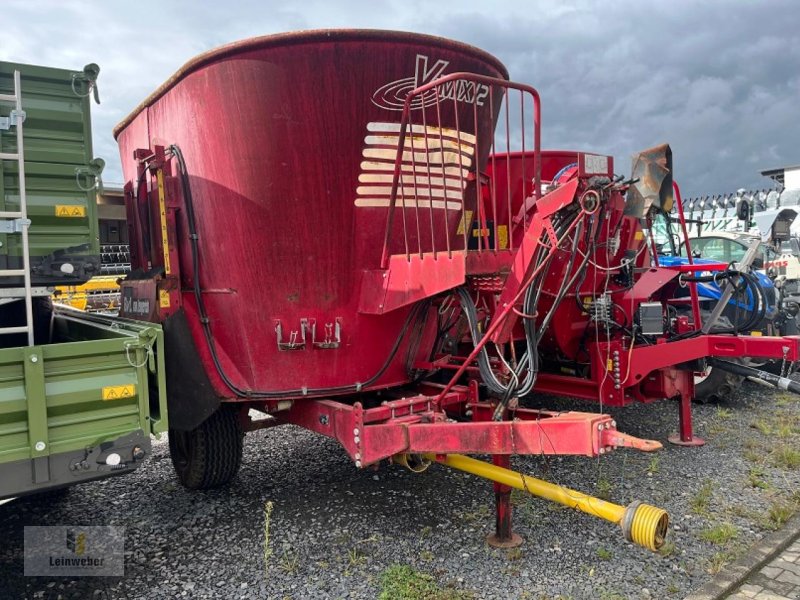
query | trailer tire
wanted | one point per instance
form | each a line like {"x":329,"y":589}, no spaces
{"x":209,"y":455}
{"x":716,"y":385}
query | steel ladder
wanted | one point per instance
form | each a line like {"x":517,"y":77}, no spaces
{"x":17,"y":222}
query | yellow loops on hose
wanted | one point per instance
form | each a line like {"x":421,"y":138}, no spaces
{"x":649,"y":526}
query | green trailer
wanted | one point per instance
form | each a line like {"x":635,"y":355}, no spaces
{"x":60,"y":174}
{"x":80,"y":394}
{"x":81,"y":407}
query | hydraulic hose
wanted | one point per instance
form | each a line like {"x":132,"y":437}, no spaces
{"x":783,"y":383}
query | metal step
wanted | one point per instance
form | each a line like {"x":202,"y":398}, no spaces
{"x":10,"y":330}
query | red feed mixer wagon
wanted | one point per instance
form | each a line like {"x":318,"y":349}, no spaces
{"x":333,"y":228}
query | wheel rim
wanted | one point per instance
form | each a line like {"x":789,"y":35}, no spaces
{"x":702,"y":376}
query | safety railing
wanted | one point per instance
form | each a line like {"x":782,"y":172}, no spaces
{"x":446,"y":136}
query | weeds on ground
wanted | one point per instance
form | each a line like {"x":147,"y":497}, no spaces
{"x":719,"y":534}
{"x":778,"y":513}
{"x":786,"y":457}
{"x":604,"y":554}
{"x":603,"y":487}
{"x":787,"y":399}
{"x":672,"y":588}
{"x":724,"y":413}
{"x":514,"y":554}
{"x":653,"y":467}
{"x":781,"y":424}
{"x":426,"y":555}
{"x":755,"y":478}
{"x":355,"y":558}
{"x":289,"y":563}
{"x":479,"y":514}
{"x":267,"y":552}
{"x":718,"y":561}
{"x":702,"y":498}
{"x":611,"y":595}
{"x":668,"y":549}
{"x":401,"y":582}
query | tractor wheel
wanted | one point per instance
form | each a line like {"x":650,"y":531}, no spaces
{"x":209,"y":455}
{"x":715,"y":384}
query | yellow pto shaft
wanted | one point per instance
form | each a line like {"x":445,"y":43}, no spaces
{"x":641,"y":523}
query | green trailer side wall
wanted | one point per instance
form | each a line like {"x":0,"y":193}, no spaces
{"x":58,"y":151}
{"x":52,"y":395}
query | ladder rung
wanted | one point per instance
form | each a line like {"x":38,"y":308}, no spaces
{"x":8,"y":330}
{"x":12,"y":272}
{"x":8,"y":98}
{"x":9,"y":156}
{"x":10,"y":215}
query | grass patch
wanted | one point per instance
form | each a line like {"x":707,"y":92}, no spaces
{"x":668,"y":549}
{"x":777,"y":514}
{"x":718,"y":561}
{"x":401,"y":582}
{"x":755,"y":478}
{"x":604,"y":554}
{"x":702,"y":498}
{"x":355,"y":558}
{"x":787,"y":399}
{"x":719,"y":534}
{"x":267,"y":550}
{"x":781,"y":424}
{"x":479,"y":514}
{"x":290,"y":563}
{"x":653,"y":467}
{"x":603,"y":487}
{"x":724,"y":413}
{"x":762,"y":425}
{"x":785,"y":457}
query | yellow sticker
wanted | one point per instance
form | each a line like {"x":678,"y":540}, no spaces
{"x":163,"y":298}
{"x":756,"y":333}
{"x":118,"y":392}
{"x":639,"y":235}
{"x":66,"y":210}
{"x":465,"y":218}
{"x":502,"y":237}
{"x":610,"y":364}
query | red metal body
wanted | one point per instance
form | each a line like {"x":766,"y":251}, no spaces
{"x":336,"y":211}
{"x":292,"y":180}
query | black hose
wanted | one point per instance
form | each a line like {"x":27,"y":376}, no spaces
{"x":783,"y":383}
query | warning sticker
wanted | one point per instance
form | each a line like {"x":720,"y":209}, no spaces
{"x":118,"y":392}
{"x":163,"y":298}
{"x":66,"y":210}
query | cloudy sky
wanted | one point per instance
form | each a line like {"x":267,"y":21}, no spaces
{"x":718,"y":80}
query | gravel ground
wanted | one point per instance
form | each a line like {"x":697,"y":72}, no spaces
{"x":334,"y":530}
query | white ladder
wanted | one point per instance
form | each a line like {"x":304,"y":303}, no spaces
{"x":17,"y":221}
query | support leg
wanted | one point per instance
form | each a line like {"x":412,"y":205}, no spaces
{"x":685,"y":437}
{"x":503,"y":537}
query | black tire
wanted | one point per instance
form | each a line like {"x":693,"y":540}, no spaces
{"x":718,"y":385}
{"x":210,"y":455}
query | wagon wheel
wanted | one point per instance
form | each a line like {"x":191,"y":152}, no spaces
{"x":714,"y":385}
{"x":209,"y":455}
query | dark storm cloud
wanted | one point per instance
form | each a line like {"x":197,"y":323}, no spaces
{"x":719,"y":81}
